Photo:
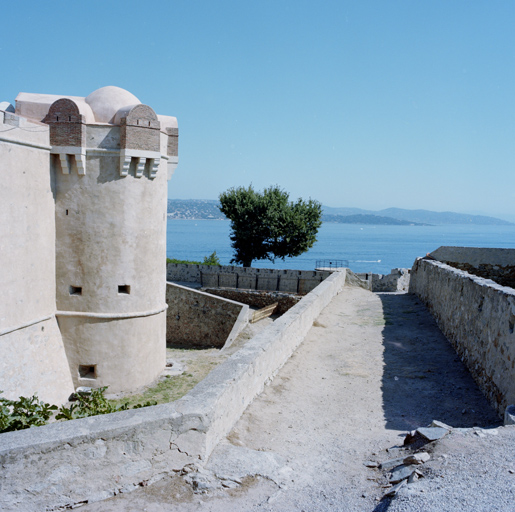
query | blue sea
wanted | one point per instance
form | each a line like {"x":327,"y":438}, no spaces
{"x":375,"y":249}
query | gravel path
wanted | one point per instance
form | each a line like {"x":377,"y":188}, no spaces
{"x":373,"y":367}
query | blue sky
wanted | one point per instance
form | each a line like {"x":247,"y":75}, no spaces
{"x":367,"y":104}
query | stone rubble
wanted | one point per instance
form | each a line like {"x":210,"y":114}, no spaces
{"x":403,"y":471}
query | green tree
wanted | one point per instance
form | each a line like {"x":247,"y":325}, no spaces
{"x":267,"y":225}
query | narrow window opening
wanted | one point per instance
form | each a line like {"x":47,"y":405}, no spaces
{"x":57,"y":118}
{"x":149,"y":123}
{"x":87,"y":371}
{"x":69,"y":118}
{"x":124,"y":288}
{"x":75,"y":290}
{"x":66,"y":212}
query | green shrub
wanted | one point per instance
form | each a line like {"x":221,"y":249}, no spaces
{"x":23,"y":413}
{"x":30,"y":412}
{"x":212,"y":259}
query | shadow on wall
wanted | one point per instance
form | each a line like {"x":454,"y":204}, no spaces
{"x":423,"y":378}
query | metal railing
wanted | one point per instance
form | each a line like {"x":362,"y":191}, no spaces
{"x":331,"y":264}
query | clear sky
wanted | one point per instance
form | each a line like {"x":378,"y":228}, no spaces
{"x":366,"y":104}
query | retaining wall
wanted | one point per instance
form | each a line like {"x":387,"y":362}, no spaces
{"x":258,"y":298}
{"x":478,"y":317}
{"x":495,"y":264}
{"x":396,"y":281}
{"x":198,"y":320}
{"x":94,"y":458}
{"x":249,"y":278}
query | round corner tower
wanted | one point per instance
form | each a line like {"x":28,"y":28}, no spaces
{"x":112,"y":157}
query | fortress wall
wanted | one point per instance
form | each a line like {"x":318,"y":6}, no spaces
{"x":121,"y":353}
{"x":249,"y":278}
{"x":478,"y":317}
{"x":396,"y":281}
{"x":31,"y":348}
{"x":118,"y":452}
{"x":198,"y":320}
{"x":258,"y":298}
{"x":111,"y":279}
{"x":495,"y":264}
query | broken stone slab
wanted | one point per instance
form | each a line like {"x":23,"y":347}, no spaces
{"x":509,"y":415}
{"x":417,"y":458}
{"x":432,"y":433}
{"x":395,"y":489}
{"x":392,"y":463}
{"x":371,"y":464}
{"x":401,"y":473}
{"x":441,"y":424}
{"x":414,"y":477}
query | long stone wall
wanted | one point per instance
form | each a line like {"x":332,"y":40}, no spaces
{"x":495,"y":264}
{"x":249,"y":278}
{"x":258,"y":298}
{"x":478,"y":317}
{"x":197,"y":320}
{"x":94,"y":458}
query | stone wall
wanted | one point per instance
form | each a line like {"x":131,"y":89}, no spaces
{"x":32,"y":353}
{"x":199,"y":320}
{"x":495,"y":264}
{"x":249,"y":278}
{"x":257,"y":298}
{"x":478,"y":317}
{"x":396,"y":281}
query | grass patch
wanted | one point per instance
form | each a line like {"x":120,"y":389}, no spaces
{"x":197,"y":364}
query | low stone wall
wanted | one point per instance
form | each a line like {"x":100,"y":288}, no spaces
{"x":478,"y":317}
{"x":249,"y":278}
{"x":257,"y":298}
{"x":495,"y":264}
{"x":91,"y":459}
{"x":195,"y":319}
{"x":396,"y":281}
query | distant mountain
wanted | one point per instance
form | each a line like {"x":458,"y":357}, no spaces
{"x":422,"y":216}
{"x":443,"y":217}
{"x":361,"y":218}
{"x":208,"y":209}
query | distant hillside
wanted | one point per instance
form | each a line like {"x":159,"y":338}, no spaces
{"x":194,"y":209}
{"x":208,"y":209}
{"x":361,"y":218}
{"x":422,"y":216}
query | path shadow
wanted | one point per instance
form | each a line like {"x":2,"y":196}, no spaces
{"x":423,"y":377}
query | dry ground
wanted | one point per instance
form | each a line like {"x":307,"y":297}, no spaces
{"x":372,"y":367}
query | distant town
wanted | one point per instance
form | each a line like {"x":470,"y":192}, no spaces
{"x":207,"y":209}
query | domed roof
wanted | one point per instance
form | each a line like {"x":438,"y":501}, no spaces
{"x":106,"y":101}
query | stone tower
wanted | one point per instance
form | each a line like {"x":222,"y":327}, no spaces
{"x":110,"y":158}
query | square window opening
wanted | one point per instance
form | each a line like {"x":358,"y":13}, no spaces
{"x":75,"y":290}
{"x":125,"y":289}
{"x":88,"y":371}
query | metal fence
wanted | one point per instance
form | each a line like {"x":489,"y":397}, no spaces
{"x":331,"y":264}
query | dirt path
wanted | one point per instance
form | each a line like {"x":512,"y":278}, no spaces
{"x":372,"y":367}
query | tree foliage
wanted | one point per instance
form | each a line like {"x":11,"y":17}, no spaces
{"x":267,"y":225}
